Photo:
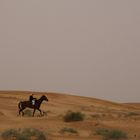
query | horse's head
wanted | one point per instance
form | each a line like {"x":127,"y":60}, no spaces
{"x":45,"y":98}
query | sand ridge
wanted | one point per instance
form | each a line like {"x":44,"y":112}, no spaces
{"x":98,"y":114}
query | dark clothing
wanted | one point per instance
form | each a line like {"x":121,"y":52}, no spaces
{"x":31,"y":98}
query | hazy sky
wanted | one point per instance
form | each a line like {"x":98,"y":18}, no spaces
{"x":83,"y":47}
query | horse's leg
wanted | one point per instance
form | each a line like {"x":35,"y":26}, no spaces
{"x":19,"y":112}
{"x":34,"y":112}
{"x":40,"y":112}
{"x":20,"y":108}
{"x":22,"y":111}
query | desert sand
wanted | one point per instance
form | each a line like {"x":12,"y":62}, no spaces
{"x":98,"y":114}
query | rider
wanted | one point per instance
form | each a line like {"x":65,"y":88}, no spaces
{"x":32,"y":99}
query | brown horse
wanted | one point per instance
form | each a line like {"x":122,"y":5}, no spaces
{"x":27,"y":104}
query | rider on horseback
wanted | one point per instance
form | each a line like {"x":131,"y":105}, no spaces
{"x":32,"y":99}
{"x":29,"y":104}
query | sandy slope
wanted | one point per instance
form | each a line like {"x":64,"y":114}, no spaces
{"x":99,"y":114}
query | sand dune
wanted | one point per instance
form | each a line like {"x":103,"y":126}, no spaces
{"x":98,"y":114}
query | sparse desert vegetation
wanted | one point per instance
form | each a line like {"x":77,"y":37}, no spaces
{"x":68,"y":130}
{"x":9,"y":134}
{"x":28,"y":113}
{"x":111,"y":134}
{"x":73,"y":116}
{"x":132,"y":114}
{"x":25,"y":134}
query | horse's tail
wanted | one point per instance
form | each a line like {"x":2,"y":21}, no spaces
{"x":19,"y":105}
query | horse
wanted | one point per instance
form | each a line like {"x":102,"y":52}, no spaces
{"x":27,"y":104}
